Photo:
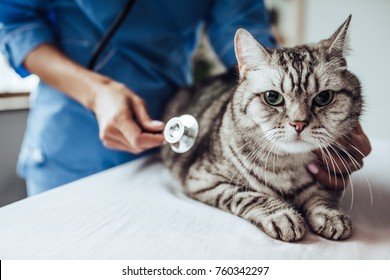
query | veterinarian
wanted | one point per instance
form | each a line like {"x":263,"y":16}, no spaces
{"x":84,"y":121}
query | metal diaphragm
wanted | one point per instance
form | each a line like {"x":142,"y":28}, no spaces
{"x":181,"y":133}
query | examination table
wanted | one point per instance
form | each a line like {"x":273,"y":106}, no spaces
{"x":137,"y":211}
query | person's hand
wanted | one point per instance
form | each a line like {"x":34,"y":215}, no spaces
{"x":334,"y":166}
{"x":124,"y":123}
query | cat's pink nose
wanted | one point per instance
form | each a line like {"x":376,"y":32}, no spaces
{"x":299,"y":125}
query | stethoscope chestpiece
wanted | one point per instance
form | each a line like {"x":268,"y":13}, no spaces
{"x":181,"y":133}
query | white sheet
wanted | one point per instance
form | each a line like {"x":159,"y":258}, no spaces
{"x":136,"y":211}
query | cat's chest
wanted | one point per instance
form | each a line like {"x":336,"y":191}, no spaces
{"x":283,"y":174}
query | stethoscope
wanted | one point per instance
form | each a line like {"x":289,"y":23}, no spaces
{"x":180,"y":132}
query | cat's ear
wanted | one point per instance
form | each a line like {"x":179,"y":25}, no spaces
{"x":338,"y":42}
{"x":249,"y":53}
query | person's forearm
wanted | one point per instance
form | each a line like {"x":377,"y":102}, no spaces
{"x":57,"y":70}
{"x":124,"y":123}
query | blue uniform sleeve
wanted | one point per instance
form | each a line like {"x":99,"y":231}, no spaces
{"x":24,"y":25}
{"x":226,"y":16}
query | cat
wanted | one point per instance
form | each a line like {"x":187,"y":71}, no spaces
{"x":258,"y":132}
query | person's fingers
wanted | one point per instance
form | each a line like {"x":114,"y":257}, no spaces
{"x":138,"y":140}
{"x":143,"y":141}
{"x":142,"y":116}
{"x":150,"y":140}
{"x":124,"y":122}
{"x":114,"y":144}
{"x":333,"y":181}
{"x":118,"y":138}
{"x":113,"y":138}
{"x":131,"y":132}
{"x":120,"y":129}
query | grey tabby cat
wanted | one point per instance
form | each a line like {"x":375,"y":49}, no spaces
{"x":257,"y":136}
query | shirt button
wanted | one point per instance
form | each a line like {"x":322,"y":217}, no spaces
{"x":37,"y":155}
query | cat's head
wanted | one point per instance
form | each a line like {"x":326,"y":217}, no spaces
{"x":301,"y":98}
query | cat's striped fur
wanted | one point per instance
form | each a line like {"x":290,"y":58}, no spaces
{"x":248,"y":159}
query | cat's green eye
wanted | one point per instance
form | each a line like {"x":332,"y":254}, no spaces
{"x":273,"y":98}
{"x":323,"y":98}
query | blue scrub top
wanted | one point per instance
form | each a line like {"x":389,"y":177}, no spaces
{"x":151,"y":54}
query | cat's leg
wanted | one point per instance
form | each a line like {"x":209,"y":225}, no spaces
{"x":269,"y":213}
{"x":324,"y":216}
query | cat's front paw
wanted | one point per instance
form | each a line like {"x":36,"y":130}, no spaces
{"x":330,"y":224}
{"x":286,"y":225}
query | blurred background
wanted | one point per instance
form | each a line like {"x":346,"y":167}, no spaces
{"x":294,"y":22}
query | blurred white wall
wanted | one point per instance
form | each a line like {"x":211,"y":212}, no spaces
{"x":370,"y":56}
{"x":11,"y":82}
{"x":290,"y":20}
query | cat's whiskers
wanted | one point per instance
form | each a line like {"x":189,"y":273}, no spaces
{"x":357,"y":165}
{"x":277,"y":156}
{"x":363,"y":172}
{"x":336,"y":147}
{"x":353,"y":160}
{"x":332,"y":161}
{"x":274,"y":155}
{"x":324,"y":158}
{"x":256,"y":152}
{"x":241,"y":172}
{"x":265,"y":142}
{"x":343,"y":162}
{"x":328,"y":139}
{"x":349,"y":171}
{"x":217,"y":166}
{"x":272,"y":140}
{"x":325,"y":148}
{"x":252,"y":155}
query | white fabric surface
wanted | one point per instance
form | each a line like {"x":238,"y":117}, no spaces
{"x":137,"y":211}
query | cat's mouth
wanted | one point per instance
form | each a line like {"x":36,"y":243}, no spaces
{"x":298,"y":141}
{"x":296,"y":144}
{"x":298,"y":138}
